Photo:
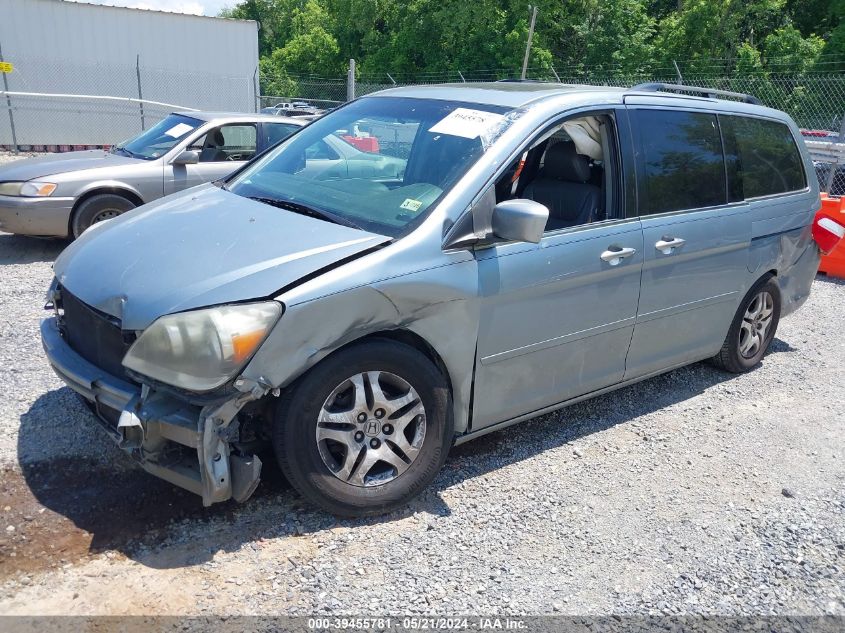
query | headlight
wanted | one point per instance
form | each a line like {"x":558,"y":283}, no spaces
{"x":202,"y":349}
{"x":29,"y":189}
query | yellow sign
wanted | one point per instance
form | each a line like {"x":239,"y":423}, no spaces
{"x":6,"y":67}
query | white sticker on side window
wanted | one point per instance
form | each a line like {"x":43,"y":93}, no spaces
{"x":411,"y":205}
{"x":466,"y":123}
{"x":178,"y":130}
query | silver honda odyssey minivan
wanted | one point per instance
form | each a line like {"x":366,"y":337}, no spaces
{"x":489,"y":253}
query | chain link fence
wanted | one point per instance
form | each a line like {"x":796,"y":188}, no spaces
{"x":815,"y":101}
{"x":52,"y":106}
{"x":57,"y":106}
{"x":828,"y":152}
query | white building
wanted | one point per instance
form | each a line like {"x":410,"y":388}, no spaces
{"x":60,"y":47}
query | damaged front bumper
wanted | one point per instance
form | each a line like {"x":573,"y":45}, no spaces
{"x":186,"y":444}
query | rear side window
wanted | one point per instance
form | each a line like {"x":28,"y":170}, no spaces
{"x":683,"y":164}
{"x":765,"y":159}
{"x":275,"y":132}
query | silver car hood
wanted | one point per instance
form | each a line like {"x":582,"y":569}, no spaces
{"x":41,"y":166}
{"x":202,"y":247}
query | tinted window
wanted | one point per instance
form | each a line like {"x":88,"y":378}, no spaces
{"x":767,"y":159}
{"x":275,"y":132}
{"x":683,"y":166}
{"x":732,"y":163}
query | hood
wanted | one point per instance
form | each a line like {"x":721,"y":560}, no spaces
{"x":41,"y":166}
{"x":202,"y":247}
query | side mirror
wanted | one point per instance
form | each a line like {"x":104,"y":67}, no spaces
{"x":520,"y":220}
{"x":188,"y":157}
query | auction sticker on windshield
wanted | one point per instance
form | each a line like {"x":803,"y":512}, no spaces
{"x":466,"y":123}
{"x":178,"y":130}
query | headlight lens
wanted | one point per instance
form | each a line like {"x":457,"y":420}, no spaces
{"x":202,"y":349}
{"x":29,"y":189}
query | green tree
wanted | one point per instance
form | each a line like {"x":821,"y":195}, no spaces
{"x":599,"y":37}
{"x":274,"y":19}
{"x":835,"y":45}
{"x":311,"y":49}
{"x":786,"y":50}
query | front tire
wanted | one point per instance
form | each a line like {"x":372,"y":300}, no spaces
{"x":366,"y":430}
{"x":98,"y":208}
{"x":752,"y":329}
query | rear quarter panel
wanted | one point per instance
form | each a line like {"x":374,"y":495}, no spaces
{"x":781,"y":239}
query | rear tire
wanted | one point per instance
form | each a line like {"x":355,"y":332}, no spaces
{"x":96,"y":209}
{"x":752,"y":329}
{"x":366,"y":430}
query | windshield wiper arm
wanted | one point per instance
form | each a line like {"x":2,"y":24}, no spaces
{"x":296,"y":207}
{"x":126,"y":152}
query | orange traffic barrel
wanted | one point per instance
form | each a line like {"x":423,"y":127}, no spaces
{"x":830,"y":221}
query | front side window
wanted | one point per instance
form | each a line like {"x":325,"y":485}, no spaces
{"x":234,"y":142}
{"x":683,"y":165}
{"x":160,"y":138}
{"x":570,"y":169}
{"x":764,"y":159}
{"x":379,"y":163}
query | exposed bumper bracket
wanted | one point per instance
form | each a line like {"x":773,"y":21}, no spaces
{"x":149,"y":422}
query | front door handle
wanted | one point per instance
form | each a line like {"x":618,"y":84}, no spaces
{"x":667,"y":245}
{"x":616,"y":254}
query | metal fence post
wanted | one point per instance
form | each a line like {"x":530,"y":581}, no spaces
{"x":256,"y":90}
{"x":9,"y":106}
{"x":140,"y":95}
{"x":350,"y":81}
{"x":833,"y":165}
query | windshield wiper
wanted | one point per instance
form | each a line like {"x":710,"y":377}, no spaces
{"x":126,"y":152}
{"x":296,"y":207}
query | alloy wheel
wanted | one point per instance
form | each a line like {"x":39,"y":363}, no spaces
{"x":371,"y":428}
{"x":755,"y":325}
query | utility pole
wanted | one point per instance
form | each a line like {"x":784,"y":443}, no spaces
{"x":528,"y":44}
{"x":350,"y":81}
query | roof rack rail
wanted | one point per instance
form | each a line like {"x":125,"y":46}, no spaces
{"x":708,"y":92}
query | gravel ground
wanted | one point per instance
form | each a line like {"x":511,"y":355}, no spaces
{"x":696,"y":492}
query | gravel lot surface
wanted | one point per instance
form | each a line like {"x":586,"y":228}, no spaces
{"x":694,"y":492}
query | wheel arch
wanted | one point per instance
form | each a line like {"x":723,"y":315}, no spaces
{"x":114,"y":189}
{"x":399,"y":335}
{"x":414,"y":340}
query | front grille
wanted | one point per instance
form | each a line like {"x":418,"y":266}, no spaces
{"x":95,"y":336}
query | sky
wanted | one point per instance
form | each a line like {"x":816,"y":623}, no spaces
{"x":195,"y":7}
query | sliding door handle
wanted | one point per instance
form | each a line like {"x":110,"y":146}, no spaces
{"x":615,"y":254}
{"x":667,"y":245}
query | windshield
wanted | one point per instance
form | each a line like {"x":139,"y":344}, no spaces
{"x":379,"y":163}
{"x":160,"y":138}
